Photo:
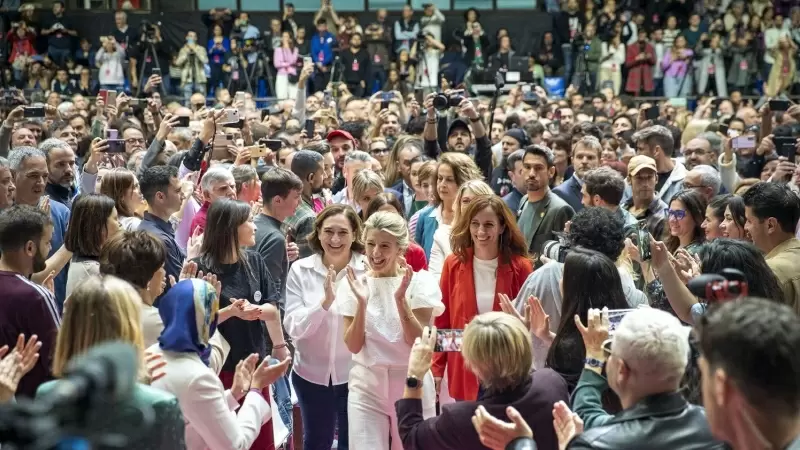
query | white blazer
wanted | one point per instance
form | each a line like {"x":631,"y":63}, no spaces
{"x":320,"y":356}
{"x":209,"y":409}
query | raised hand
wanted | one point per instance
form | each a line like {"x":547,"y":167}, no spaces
{"x":189,"y":270}
{"x":497,"y":434}
{"x":596,"y":331}
{"x":539,"y":320}
{"x":330,"y":293}
{"x":243,"y":376}
{"x":566,"y":423}
{"x":16,"y":364}
{"x":358,"y":288}
{"x":405,"y":269}
{"x":267,"y":374}
{"x":507,"y":306}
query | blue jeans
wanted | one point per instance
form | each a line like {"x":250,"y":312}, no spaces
{"x":672,"y":86}
{"x":58,"y":55}
{"x":321,"y":408}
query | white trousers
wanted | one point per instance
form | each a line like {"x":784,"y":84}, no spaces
{"x":372,"y":422}
{"x":284,"y":89}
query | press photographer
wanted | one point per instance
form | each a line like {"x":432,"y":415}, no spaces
{"x":152,"y":57}
{"x":191,"y":59}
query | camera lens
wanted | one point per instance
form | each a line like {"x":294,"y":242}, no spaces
{"x":441,"y":102}
{"x":455,"y":100}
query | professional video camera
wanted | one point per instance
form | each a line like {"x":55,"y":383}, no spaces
{"x":147,"y":30}
{"x":443,"y":101}
{"x":579,"y":42}
{"x":75,"y":412}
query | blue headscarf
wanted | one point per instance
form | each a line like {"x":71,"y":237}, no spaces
{"x":189,"y":312}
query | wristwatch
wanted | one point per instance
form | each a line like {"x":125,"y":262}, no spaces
{"x":413,"y":382}
{"x":596,"y":363}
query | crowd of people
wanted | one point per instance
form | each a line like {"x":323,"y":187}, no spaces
{"x":598,"y":272}
{"x":672,"y":49}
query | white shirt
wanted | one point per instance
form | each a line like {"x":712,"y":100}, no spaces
{"x":208,"y":409}
{"x":321,"y":356}
{"x":617,"y":59}
{"x":485,"y":274}
{"x":440,"y":249}
{"x":385,"y":344}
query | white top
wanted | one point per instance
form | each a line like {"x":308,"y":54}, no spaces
{"x":130,"y":223}
{"x":440,"y":249}
{"x":485,"y":274}
{"x":208,"y":409}
{"x":385,"y":344}
{"x":320,"y":355}
{"x":617,"y":59}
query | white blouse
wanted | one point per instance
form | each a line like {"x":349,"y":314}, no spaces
{"x":440,"y":250}
{"x":617,"y":59}
{"x":385,"y":344}
{"x":484,"y":273}
{"x":321,"y":356}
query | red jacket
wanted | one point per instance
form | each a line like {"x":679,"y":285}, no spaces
{"x":640,"y":73}
{"x":458,"y":295}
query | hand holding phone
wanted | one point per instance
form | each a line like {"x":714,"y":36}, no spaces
{"x":643,"y":241}
{"x":448,"y":340}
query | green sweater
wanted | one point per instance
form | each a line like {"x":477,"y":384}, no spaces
{"x":587,"y":400}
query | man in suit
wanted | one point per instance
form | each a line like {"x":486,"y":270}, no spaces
{"x":541,"y":213}
{"x":585,"y":157}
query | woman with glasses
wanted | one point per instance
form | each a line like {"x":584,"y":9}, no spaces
{"x":489,"y":260}
{"x":685,"y":217}
{"x":384,"y":313}
{"x":322,"y":361}
{"x":379,"y":149}
{"x":106,"y":309}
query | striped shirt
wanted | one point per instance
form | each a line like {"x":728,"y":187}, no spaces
{"x":28,"y":308}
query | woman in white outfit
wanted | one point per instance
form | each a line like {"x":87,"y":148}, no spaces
{"x":384,"y":312}
{"x":322,"y":361}
{"x":613,"y":57}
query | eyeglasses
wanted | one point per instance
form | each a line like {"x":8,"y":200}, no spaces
{"x":692,"y":186}
{"x":678,"y":214}
{"x":378,"y":151}
{"x":133,"y":141}
{"x":606,"y":346}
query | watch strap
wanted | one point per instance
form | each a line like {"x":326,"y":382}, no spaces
{"x":596,"y":363}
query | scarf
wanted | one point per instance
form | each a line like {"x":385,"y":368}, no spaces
{"x":189,"y":312}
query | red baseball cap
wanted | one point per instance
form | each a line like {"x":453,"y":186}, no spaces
{"x":340,"y":134}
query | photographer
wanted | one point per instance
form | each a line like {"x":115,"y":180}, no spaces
{"x":428,"y":50}
{"x":191,"y":59}
{"x":244,"y":28}
{"x":150,"y":41}
{"x":476,"y":143}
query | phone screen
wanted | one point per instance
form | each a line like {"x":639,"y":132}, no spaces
{"x":615,"y":317}
{"x":643,"y":241}
{"x":309,"y":128}
{"x":744,"y":142}
{"x":448,"y":340}
{"x":778,"y":105}
{"x":33,"y":111}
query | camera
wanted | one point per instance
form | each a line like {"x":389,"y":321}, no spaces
{"x":579,"y":42}
{"x":148,"y":30}
{"x":719,"y":287}
{"x":556,"y":250}
{"x":444,"y":101}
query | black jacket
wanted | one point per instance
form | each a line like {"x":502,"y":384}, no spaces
{"x":355,"y":66}
{"x":659,"y":422}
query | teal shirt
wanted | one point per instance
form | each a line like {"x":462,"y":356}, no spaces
{"x":587,"y":400}
{"x":167,"y":431}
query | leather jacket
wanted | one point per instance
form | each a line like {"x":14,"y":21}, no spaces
{"x":659,"y":422}
{"x":523,"y":443}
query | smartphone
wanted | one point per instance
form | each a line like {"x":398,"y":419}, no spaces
{"x":678,"y":102}
{"x":103,"y":94}
{"x":112,"y":133}
{"x":652,"y":113}
{"x":448,"y":340}
{"x":155,"y":71}
{"x":116,"y":146}
{"x":183,"y":122}
{"x":231,"y":116}
{"x":643,"y":241}
{"x":615,"y":317}
{"x":386,"y":100}
{"x":326,"y":100}
{"x":238,"y":125}
{"x":264,"y":114}
{"x":744,"y":142}
{"x":307,"y":60}
{"x":97,"y":129}
{"x":309,"y":128}
{"x":778,"y":105}
{"x":112,"y":98}
{"x":134,"y":102}
{"x":219,"y":152}
{"x":723,"y":129}
{"x":33,"y":112}
{"x":786,"y":146}
{"x":239,"y":98}
{"x":272,"y":144}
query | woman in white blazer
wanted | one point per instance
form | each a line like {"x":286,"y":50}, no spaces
{"x":189,"y":311}
{"x":321,"y":359}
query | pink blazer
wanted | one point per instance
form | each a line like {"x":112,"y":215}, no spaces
{"x":285,"y":61}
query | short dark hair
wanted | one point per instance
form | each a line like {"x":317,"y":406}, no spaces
{"x":746,"y":336}
{"x":87,"y":224}
{"x":512,"y":159}
{"x":321,"y":22}
{"x":58,"y":125}
{"x":605,"y":182}
{"x":280,"y":182}
{"x":776,"y":200}
{"x":541,"y":151}
{"x":598,"y":229}
{"x":585,"y":129}
{"x":21,"y":224}
{"x":156,"y":179}
{"x":657,"y":135}
{"x":305,"y":162}
{"x":334,"y":210}
{"x":133,"y":256}
{"x":243,"y":174}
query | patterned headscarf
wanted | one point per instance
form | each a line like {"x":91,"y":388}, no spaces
{"x":189,"y":312}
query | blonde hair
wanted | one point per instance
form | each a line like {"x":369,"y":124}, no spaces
{"x":497,"y":349}
{"x":693,"y":129}
{"x":476,"y":187}
{"x":391,"y":223}
{"x":365,"y":180}
{"x":100,"y":309}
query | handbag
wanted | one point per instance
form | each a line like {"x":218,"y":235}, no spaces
{"x":293,"y":79}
